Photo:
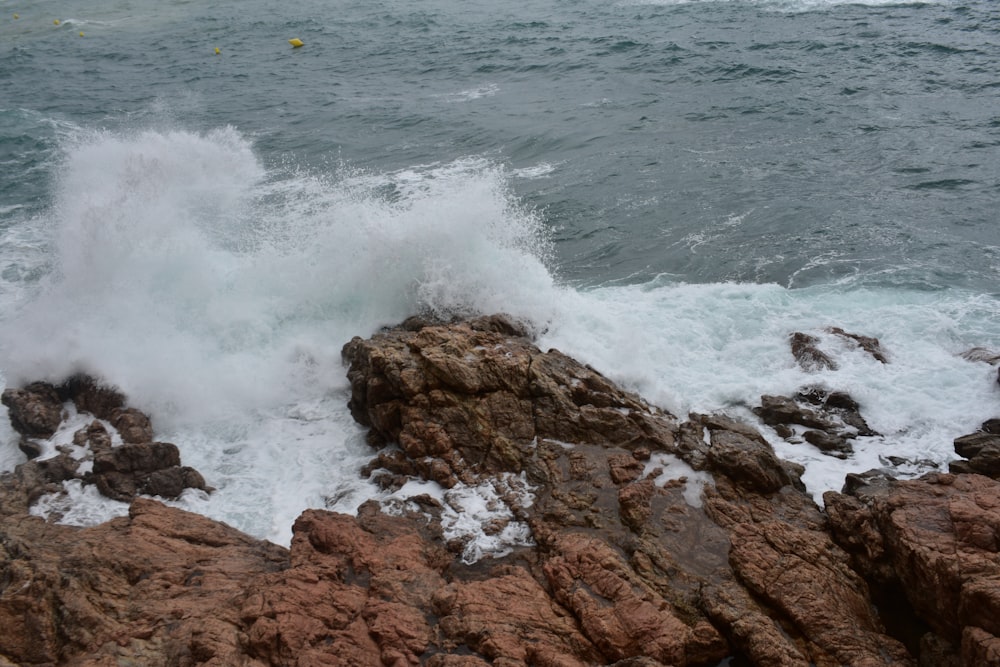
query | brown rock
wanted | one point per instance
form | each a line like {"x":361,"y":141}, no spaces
{"x":153,"y":588}
{"x":35,"y":411}
{"x":626,"y":570}
{"x":621,"y":615}
{"x":749,"y":462}
{"x":936,"y":539}
{"x":808,"y":355}
{"x":487,"y":397}
{"x":134,"y":426}
{"x":982,"y":450}
{"x":92,"y":396}
{"x":869,"y":344}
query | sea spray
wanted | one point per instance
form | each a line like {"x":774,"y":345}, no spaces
{"x":216,"y":293}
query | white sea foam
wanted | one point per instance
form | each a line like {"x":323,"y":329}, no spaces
{"x":672,"y":468}
{"x":720,"y":347}
{"x":469,"y":94}
{"x":478,"y":516}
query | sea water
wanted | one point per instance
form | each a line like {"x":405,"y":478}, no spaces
{"x":664,"y":189}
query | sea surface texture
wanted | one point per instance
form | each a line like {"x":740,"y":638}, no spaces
{"x":201,"y":214}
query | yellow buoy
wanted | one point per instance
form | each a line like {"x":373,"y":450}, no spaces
{"x":16,"y":16}
{"x":217,"y":51}
{"x":56,"y":22}
{"x":81,"y":34}
{"x":295,"y":42}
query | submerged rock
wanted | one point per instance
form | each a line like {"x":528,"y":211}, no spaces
{"x":807,"y":353}
{"x":831,"y":419}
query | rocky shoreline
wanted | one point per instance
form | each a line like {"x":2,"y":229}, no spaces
{"x":652,"y":539}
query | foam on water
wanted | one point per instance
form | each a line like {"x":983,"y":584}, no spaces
{"x":719,"y":347}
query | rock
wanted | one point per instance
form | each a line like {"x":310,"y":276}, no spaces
{"x":829,"y":444}
{"x":982,"y":354}
{"x":645,"y":574}
{"x":629,"y":566}
{"x":982,"y":449}
{"x":140,"y":466}
{"x":91,"y":395}
{"x":869,"y":344}
{"x":459,"y":392}
{"x":749,"y":462}
{"x":133,"y":426}
{"x":35,"y":411}
{"x":94,"y":437}
{"x":808,"y":355}
{"x":783,"y":410}
{"x":936,"y":541}
{"x":832,"y":417}
{"x":154,"y":588}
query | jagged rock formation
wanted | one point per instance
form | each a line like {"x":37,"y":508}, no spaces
{"x":657,"y":541}
{"x":135,"y":466}
{"x":981,"y":451}
{"x":935,"y":543}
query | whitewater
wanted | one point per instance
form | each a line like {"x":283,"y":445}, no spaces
{"x":211,"y":260}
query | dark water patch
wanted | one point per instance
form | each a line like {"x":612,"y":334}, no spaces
{"x":743,"y":71}
{"x":942,"y":184}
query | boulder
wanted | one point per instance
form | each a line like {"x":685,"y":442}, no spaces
{"x":645,"y":569}
{"x":935,"y":543}
{"x":981,"y":451}
{"x":139,"y":466}
{"x":34,"y":411}
{"x":807,"y":353}
{"x":832,"y":419}
{"x":869,"y":344}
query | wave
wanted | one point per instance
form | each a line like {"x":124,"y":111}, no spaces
{"x":790,"y":5}
{"x":216,"y":291}
{"x":180,"y":257}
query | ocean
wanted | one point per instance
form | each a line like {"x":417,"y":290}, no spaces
{"x":202,"y":215}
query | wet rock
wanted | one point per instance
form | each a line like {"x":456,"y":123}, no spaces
{"x":144,"y":589}
{"x":829,"y":444}
{"x":647,"y":574}
{"x":151,"y":468}
{"x":832,"y":417}
{"x":869,"y":344}
{"x":34,"y":411}
{"x":485,"y":397}
{"x":629,"y":566}
{"x":936,"y":541}
{"x":808,"y":355}
{"x":133,"y":426}
{"x":982,"y":354}
{"x":94,"y":437}
{"x":982,"y":451}
{"x":749,"y":462}
{"x":140,"y":466}
{"x":92,"y":396}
